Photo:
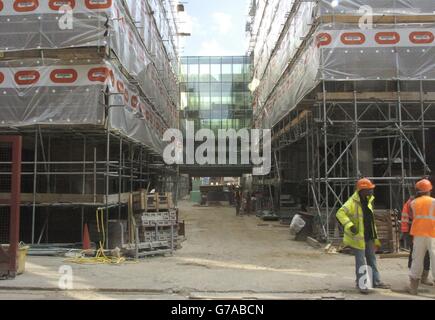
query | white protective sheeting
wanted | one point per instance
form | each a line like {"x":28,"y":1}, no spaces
{"x":138,"y":34}
{"x":291,"y":61}
{"x":55,"y":94}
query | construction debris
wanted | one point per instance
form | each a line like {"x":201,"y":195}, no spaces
{"x":314,"y":243}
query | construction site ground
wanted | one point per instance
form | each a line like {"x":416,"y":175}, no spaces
{"x":222,"y":257}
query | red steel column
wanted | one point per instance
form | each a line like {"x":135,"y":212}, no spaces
{"x":15,"y":202}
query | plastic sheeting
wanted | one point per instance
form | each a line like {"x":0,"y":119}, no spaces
{"x":30,"y":24}
{"x":332,"y":51}
{"x":55,"y":94}
{"x":379,"y":7}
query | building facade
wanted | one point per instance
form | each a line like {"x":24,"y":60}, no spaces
{"x":214,"y":92}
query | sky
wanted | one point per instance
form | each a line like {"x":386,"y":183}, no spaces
{"x":217,"y":27}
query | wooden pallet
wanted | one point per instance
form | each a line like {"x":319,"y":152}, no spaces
{"x":386,"y":223}
{"x":143,"y":202}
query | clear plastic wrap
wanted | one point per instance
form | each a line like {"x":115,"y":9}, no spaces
{"x":107,"y":23}
{"x":314,"y":46}
{"x":53,"y":93}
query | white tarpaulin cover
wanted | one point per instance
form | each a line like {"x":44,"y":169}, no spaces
{"x":76,"y":95}
{"x":53,"y":91}
{"x":315,"y":46}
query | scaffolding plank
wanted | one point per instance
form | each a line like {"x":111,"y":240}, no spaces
{"x":53,"y":198}
{"x":62,"y":54}
{"x":385,"y":96}
{"x":378,"y":19}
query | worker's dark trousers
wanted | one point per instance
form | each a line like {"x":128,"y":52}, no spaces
{"x":426,"y":258}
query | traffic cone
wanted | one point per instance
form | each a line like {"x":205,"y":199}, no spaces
{"x":86,"y":238}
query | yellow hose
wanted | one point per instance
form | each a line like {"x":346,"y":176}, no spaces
{"x":100,"y":257}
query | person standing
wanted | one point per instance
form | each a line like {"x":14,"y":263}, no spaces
{"x":423,"y":231}
{"x":238,"y":200}
{"x":406,"y":223}
{"x":360,"y":233}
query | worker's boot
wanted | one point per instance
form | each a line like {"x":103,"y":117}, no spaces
{"x":413,"y":288}
{"x":425,"y":279}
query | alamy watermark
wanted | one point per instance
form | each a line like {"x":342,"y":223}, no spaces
{"x":253,"y":146}
{"x":66,"y":279}
{"x":67,"y":19}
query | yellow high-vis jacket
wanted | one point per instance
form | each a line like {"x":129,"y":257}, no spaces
{"x":351,"y":214}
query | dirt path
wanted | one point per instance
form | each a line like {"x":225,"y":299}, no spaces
{"x":223,"y":256}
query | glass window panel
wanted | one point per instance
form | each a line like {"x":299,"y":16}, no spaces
{"x":204,"y":102}
{"x":216,"y":113}
{"x":204,"y":71}
{"x":227,"y":60}
{"x":215,"y":70}
{"x":216,"y":88}
{"x":204,"y":114}
{"x":205,"y":124}
{"x":216,"y":100}
{"x":193,"y":87}
{"x":184,"y":71}
{"x":204,"y":88}
{"x":239,"y":87}
{"x":193,"y":73}
{"x":227,"y":72}
{"x":216,"y":93}
{"x":238,"y":60}
{"x":183,"y":100}
{"x":204,"y":60}
{"x":215,"y":60}
{"x":227,"y":89}
{"x":216,"y":124}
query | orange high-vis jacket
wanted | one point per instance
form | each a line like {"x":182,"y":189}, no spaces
{"x":424,"y":217}
{"x":407,"y":216}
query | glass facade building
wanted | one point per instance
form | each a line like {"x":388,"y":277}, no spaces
{"x":214,"y":92}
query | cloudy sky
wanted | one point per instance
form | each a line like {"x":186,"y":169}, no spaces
{"x":217,"y":27}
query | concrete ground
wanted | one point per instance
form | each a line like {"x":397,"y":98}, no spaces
{"x":224,"y":256}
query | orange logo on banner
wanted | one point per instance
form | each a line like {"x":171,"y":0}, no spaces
{"x":422,"y":37}
{"x":353,"y":38}
{"x":57,"y":4}
{"x":324,"y":39}
{"x":26,"y":5}
{"x":120,"y":86}
{"x":100,"y":75}
{"x":387,"y":37}
{"x":98,"y":4}
{"x":134,"y":102}
{"x":142,"y":108}
{"x":121,"y":89}
{"x":1,"y":5}
{"x":126,"y":96}
{"x":27,"y":77}
{"x":64,"y":76}
{"x":2,"y":77}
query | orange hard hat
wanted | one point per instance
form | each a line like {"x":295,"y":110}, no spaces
{"x":424,"y":186}
{"x":365,"y":184}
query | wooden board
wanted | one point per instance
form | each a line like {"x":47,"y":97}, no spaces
{"x":93,"y":53}
{"x":378,"y":19}
{"x":385,"y":96}
{"x":56,"y":198}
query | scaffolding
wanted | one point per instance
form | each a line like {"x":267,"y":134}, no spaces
{"x":91,"y":103}
{"x":345,"y":102}
{"x":67,"y":174}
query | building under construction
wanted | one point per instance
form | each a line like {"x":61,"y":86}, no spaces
{"x":90,"y":88}
{"x":348,"y":89}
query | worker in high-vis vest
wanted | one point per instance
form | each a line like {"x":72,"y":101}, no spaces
{"x":423,"y":231}
{"x":360,"y":233}
{"x":406,"y":224}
